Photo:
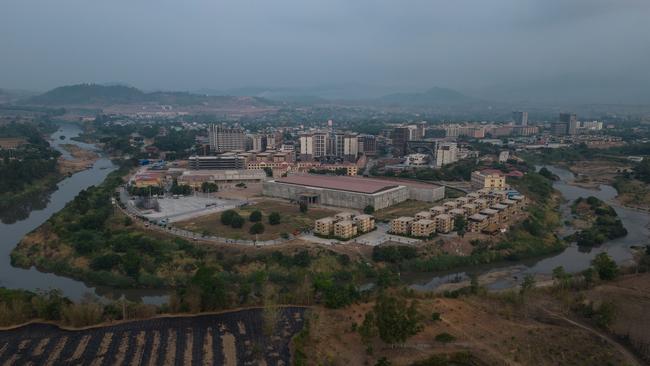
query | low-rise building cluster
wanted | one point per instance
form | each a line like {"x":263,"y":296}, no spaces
{"x":344,"y":225}
{"x":485,"y":210}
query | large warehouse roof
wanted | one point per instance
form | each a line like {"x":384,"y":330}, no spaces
{"x":341,"y":183}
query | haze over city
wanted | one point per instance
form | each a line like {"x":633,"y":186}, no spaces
{"x":588,"y":50}
{"x":360,"y":182}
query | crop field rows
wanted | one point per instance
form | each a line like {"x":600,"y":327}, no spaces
{"x":234,"y":338}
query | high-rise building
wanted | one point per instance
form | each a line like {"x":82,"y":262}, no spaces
{"x":314,"y":145}
{"x":571,"y":121}
{"x":259,"y":142}
{"x":446,"y":153}
{"x":224,"y":139}
{"x":368,"y":144}
{"x":520,"y":118}
{"x":351,"y":147}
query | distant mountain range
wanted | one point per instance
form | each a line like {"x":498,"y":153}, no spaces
{"x":101,"y":95}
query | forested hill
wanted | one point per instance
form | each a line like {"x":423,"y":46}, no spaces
{"x":95,"y":94}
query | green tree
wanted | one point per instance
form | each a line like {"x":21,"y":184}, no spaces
{"x":226,"y":216}
{"x":369,"y":210}
{"x":255,"y":216}
{"x":605,"y":266}
{"x":396,"y":319}
{"x":303,"y":207}
{"x":237,"y":222}
{"x":460,"y":225}
{"x":527,"y":284}
{"x":257,"y":228}
{"x":274,"y":218}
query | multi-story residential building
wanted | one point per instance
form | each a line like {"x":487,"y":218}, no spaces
{"x":345,"y":229}
{"x":476,"y":223}
{"x":444,"y":223}
{"x":343,"y":216}
{"x":423,"y":228}
{"x":324,"y":226}
{"x":437,"y":210}
{"x":224,"y":139}
{"x":423,"y":215}
{"x":488,"y":179}
{"x":469,"y":209}
{"x":401,"y":225}
{"x":446,"y":153}
{"x":456,"y":212}
{"x":365,"y":223}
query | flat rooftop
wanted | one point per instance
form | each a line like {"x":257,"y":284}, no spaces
{"x":340,"y":183}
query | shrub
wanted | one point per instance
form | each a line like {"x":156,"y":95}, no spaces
{"x":370,"y":209}
{"x":255,"y":216}
{"x":445,"y":338}
{"x":226,"y":216}
{"x":274,"y":218}
{"x":257,"y":228}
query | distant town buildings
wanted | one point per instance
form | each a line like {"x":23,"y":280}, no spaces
{"x":220,"y":162}
{"x":446,"y":153}
{"x":488,"y":179}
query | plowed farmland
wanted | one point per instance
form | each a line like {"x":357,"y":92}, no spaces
{"x":233,"y":338}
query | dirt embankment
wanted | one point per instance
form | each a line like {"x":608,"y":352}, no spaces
{"x":631,"y":298}
{"x":81,"y":159}
{"x":494,"y":331}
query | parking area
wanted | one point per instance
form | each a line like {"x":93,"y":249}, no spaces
{"x":187,"y":207}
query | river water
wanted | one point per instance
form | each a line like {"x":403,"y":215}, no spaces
{"x":67,"y":189}
{"x":573,"y":258}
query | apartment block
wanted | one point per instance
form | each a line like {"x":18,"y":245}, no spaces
{"x":444,"y":223}
{"x":365,"y":223}
{"x":345,"y":229}
{"x":324,"y":226}
{"x":401,"y":225}
{"x":423,"y":228}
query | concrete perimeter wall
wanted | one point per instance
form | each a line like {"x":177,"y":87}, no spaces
{"x":427,"y":194}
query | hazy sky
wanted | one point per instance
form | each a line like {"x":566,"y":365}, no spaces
{"x":193,"y":44}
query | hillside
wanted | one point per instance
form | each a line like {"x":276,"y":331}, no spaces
{"x":104,"y":95}
{"x":434,"y":95}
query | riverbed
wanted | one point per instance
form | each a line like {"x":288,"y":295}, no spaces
{"x":67,"y":189}
{"x":574,"y":259}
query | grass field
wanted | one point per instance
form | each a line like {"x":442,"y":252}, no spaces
{"x":406,"y":208}
{"x":292,"y":219}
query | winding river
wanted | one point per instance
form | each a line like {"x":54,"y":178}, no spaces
{"x":573,"y":258}
{"x":67,"y":189}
